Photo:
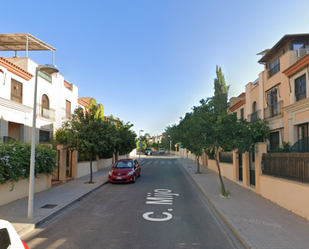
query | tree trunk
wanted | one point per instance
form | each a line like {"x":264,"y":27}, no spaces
{"x":198,"y":165}
{"x":223,"y":191}
{"x":90,"y":169}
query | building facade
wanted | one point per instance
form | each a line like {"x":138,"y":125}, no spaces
{"x":280,"y":95}
{"x":56,"y":100}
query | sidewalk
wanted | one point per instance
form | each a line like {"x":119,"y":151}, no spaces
{"x":57,"y":200}
{"x":257,"y":222}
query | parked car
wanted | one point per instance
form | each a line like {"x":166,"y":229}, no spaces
{"x":125,"y":170}
{"x":148,"y":152}
{"x":161,"y":151}
{"x":9,"y":238}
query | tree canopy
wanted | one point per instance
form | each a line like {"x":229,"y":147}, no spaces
{"x":210,"y":127}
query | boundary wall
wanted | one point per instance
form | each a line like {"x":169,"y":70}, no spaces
{"x":291,"y":195}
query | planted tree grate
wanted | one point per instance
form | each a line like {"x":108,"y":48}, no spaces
{"x":49,"y":206}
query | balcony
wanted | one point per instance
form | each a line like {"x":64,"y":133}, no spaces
{"x":273,"y":110}
{"x":254,"y":116}
{"x":46,"y":112}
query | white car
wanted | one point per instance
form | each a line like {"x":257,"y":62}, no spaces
{"x":161,"y":151}
{"x":9,"y":238}
{"x":148,"y":152}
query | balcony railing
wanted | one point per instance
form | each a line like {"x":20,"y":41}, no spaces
{"x":254,"y":116}
{"x":273,"y":110}
{"x":45,"y":76}
{"x":274,"y":70}
{"x":46,"y":112}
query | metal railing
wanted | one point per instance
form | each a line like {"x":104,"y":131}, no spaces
{"x":254,"y":116}
{"x":274,"y":70}
{"x":273,"y":110}
{"x":226,"y":156}
{"x":292,"y":166}
{"x":7,"y":139}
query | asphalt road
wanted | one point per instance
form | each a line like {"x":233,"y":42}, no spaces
{"x":163,"y":209}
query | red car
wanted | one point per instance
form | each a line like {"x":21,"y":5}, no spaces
{"x":125,"y":170}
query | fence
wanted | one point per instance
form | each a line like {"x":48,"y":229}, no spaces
{"x":292,"y":166}
{"x":226,"y":156}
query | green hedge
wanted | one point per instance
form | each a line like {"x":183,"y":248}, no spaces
{"x":15,"y":161}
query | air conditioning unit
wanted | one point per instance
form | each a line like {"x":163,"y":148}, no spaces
{"x":301,"y":52}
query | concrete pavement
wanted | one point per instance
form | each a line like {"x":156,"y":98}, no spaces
{"x":257,"y":222}
{"x":50,"y":202}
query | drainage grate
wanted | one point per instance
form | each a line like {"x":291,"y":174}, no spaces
{"x":50,"y":206}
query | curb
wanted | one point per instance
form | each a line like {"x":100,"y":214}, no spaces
{"x":30,"y":227}
{"x":239,"y":234}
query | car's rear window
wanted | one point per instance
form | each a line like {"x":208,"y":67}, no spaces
{"x":124,"y":164}
{"x":5,"y":241}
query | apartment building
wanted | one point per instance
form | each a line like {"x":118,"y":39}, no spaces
{"x":280,"y":95}
{"x":56,"y":98}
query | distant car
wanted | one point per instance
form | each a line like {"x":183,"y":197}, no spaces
{"x":161,"y":151}
{"x":148,"y":152}
{"x":9,"y":238}
{"x":125,"y":170}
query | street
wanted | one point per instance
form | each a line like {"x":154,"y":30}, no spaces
{"x":163,"y":209}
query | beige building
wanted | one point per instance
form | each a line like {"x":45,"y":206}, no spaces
{"x":279,"y":95}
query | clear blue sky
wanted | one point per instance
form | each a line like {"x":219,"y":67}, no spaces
{"x":150,"y":61}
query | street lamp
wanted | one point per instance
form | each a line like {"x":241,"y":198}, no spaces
{"x":140,"y":144}
{"x":170,"y":145}
{"x":49,"y":69}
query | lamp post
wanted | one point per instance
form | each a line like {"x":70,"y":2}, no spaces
{"x":170,"y":144}
{"x":50,"y":69}
{"x":140,"y":144}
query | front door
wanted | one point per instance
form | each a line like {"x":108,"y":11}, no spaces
{"x":69,"y":164}
{"x":240,"y":167}
{"x":55,"y":176}
{"x":252,"y":167}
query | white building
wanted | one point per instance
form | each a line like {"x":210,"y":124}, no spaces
{"x":56,"y":98}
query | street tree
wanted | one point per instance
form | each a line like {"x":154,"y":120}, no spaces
{"x":124,"y":141}
{"x":88,"y":134}
{"x":170,"y":135}
{"x":144,"y":140}
{"x":190,"y":129}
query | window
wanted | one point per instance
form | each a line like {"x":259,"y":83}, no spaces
{"x":242,"y":113}
{"x":67,"y":109}
{"x":254,"y":107}
{"x":300,"y":88}
{"x":254,"y":114}
{"x":303,"y":130}
{"x":16,"y":91}
{"x":274,"y":65}
{"x":272,"y":103}
{"x":44,"y":136}
{"x":274,"y":140}
{"x":5,"y":241}
{"x":45,"y":106}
